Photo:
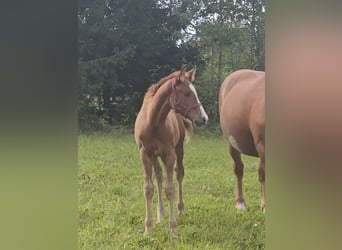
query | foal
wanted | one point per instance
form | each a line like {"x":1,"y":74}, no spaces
{"x":242,"y":120}
{"x":160,"y":129}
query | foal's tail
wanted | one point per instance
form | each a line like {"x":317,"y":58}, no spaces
{"x":188,"y":129}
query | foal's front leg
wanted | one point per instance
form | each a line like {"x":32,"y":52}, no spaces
{"x":169,"y":159}
{"x":159,"y":177}
{"x":148,"y":189}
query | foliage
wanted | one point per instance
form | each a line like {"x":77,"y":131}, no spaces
{"x":124,"y":46}
{"x":112,"y":206}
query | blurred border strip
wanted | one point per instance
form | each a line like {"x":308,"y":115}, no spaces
{"x":38,"y":128}
{"x":303,"y":137}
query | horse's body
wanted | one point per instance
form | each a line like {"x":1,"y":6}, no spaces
{"x":160,"y":129}
{"x":242,"y":120}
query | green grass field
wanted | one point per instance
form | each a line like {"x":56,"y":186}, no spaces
{"x":112,"y":205}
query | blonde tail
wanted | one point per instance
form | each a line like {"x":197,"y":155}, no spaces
{"x":188,"y":129}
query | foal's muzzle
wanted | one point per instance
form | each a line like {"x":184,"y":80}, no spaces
{"x":201,"y":122}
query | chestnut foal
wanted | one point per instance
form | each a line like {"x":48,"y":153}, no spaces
{"x":160,"y":129}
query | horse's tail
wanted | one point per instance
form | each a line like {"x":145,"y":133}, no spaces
{"x":188,"y":129}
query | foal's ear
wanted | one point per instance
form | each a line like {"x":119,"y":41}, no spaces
{"x":181,"y":76}
{"x":192,"y":74}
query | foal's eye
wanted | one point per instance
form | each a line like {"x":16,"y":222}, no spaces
{"x":187,"y":94}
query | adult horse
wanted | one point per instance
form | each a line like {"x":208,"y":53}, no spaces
{"x":160,"y":129}
{"x":242,"y":120}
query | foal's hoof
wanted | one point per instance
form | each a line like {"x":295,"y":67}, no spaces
{"x":147,"y":232}
{"x":174,"y":233}
{"x":160,"y":217}
{"x":241,"y":206}
{"x":263,"y":209}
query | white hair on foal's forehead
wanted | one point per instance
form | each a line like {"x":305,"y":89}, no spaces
{"x":204,"y":114}
{"x":192,"y":87}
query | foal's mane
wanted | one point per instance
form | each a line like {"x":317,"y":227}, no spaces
{"x":152,"y":90}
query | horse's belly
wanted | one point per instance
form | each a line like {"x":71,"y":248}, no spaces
{"x":243,"y":144}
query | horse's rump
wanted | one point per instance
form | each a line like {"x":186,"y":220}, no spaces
{"x":242,"y":109}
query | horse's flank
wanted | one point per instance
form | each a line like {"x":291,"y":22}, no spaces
{"x":242,"y":109}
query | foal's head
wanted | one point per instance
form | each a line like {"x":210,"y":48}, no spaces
{"x":184,"y":98}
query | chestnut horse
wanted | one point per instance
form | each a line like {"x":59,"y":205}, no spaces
{"x":242,"y":120}
{"x":160,"y":130}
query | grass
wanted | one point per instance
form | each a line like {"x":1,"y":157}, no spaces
{"x":112,"y":205}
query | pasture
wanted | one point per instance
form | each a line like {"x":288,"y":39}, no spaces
{"x":112,"y":205}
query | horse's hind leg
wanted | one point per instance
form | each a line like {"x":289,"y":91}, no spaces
{"x":159,"y":177}
{"x":238,"y":170}
{"x":262,"y":184}
{"x":148,"y":189}
{"x":180,"y":174}
{"x":261,"y":151}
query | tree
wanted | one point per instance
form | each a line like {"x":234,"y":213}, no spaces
{"x":230,"y":35}
{"x":125,"y":45}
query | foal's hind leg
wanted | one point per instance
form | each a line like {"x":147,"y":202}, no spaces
{"x":261,"y":151}
{"x":159,"y":177}
{"x":238,"y":170}
{"x":180,"y":174}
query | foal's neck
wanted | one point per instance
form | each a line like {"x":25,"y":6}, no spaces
{"x":160,"y":105}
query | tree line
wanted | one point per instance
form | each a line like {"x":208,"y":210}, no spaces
{"x":126,"y":45}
